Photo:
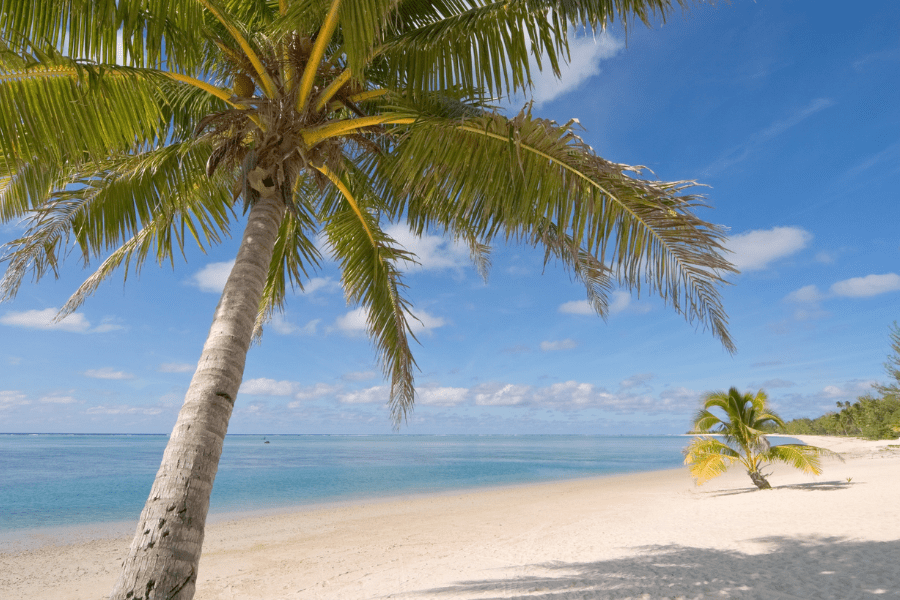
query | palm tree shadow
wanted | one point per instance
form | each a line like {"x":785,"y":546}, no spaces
{"x":817,"y":486}
{"x":825,"y":568}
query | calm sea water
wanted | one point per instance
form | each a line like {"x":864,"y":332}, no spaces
{"x":56,"y":480}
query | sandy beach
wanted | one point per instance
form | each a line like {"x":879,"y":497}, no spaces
{"x":649,"y":536}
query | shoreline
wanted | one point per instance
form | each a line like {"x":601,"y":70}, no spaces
{"x":640,"y":535}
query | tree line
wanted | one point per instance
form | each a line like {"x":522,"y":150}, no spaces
{"x":874,"y":416}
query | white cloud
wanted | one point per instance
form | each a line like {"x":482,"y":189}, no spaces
{"x":43,"y":319}
{"x":551,"y":346}
{"x":316,"y":284}
{"x":268,"y":387}
{"x":870,"y":285}
{"x":756,"y":250}
{"x":577,"y":307}
{"x":176,"y":368}
{"x":57,"y":400}
{"x":282,"y":326}
{"x":441,"y":396}
{"x":619,"y":302}
{"x":379,"y":393}
{"x":10,"y":398}
{"x":433,"y":252}
{"x":107,"y":373}
{"x":849,"y":390}
{"x":502,"y":395}
{"x":425,"y":322}
{"x":353,"y":323}
{"x":808,"y":293}
{"x":319,"y":390}
{"x":587,"y":51}
{"x":212,"y":277}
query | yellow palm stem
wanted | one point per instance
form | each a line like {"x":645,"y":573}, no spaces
{"x":315,"y":57}
{"x":267,"y":83}
{"x":331,"y":89}
{"x":339,"y":184}
{"x":367,"y":95}
{"x":211,"y":89}
{"x":345,"y":126}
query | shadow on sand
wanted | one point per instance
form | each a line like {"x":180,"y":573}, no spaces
{"x":806,"y":568}
{"x":815,"y":486}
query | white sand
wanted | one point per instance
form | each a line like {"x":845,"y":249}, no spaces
{"x":651,"y":535}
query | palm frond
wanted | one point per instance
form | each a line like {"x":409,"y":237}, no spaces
{"x":66,"y":112}
{"x":371,"y":280}
{"x":804,"y":458}
{"x":707,"y":458}
{"x":508,"y":177}
{"x":152,"y":201}
{"x":150,"y":31}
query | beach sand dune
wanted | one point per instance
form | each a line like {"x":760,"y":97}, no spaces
{"x":648,"y":535}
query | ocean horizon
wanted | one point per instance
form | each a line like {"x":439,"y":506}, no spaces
{"x":60,"y":480}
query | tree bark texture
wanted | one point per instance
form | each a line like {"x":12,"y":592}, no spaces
{"x":165,"y":554}
{"x":759,"y":480}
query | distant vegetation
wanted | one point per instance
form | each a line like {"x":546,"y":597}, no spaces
{"x":873,"y":416}
{"x":868,"y":417}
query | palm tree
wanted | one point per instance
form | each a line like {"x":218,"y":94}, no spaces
{"x":130,"y":129}
{"x":743,"y":427}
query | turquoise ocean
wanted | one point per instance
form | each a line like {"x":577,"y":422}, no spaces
{"x":52,"y":480}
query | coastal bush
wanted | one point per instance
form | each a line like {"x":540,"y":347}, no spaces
{"x":743,"y":428}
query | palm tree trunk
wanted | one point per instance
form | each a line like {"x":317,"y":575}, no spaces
{"x":759,"y":480}
{"x":165,"y":553}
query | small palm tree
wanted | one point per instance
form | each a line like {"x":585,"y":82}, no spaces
{"x":743,"y":428}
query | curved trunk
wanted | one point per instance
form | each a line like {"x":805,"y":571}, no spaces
{"x":164,"y":556}
{"x":759,"y":480}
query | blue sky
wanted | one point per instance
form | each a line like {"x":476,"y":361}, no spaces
{"x":788,"y":110}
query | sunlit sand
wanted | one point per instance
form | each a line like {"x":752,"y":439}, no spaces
{"x":648,"y":535}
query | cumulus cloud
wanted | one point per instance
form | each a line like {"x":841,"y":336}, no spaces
{"x":268,"y":387}
{"x":319,"y":390}
{"x":378,"y":393}
{"x":433,"y":252}
{"x":576,"y":307}
{"x":587,"y":52}
{"x":554,"y":345}
{"x":280,"y":325}
{"x":320,"y":284}
{"x":848,"y":390}
{"x":107,"y":373}
{"x":502,"y":395}
{"x":870,"y":285}
{"x":806,"y":294}
{"x":441,"y":396}
{"x":43,"y":319}
{"x":175,"y":368}
{"x":212,"y":277}
{"x":353,"y":323}
{"x":756,"y":250}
